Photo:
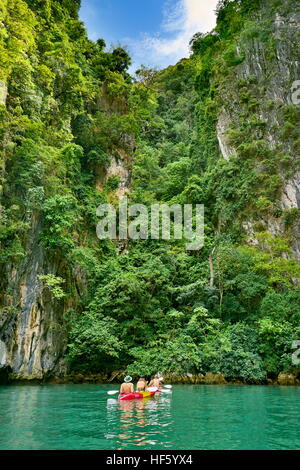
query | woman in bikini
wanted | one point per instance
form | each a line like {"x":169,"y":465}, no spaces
{"x":142,"y":384}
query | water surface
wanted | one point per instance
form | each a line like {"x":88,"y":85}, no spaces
{"x":194,"y":417}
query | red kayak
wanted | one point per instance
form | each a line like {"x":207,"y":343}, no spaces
{"x":136,"y":395}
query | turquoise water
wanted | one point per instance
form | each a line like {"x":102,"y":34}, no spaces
{"x":193,"y":417}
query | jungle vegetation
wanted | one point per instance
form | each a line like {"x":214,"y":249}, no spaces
{"x":232,"y":307}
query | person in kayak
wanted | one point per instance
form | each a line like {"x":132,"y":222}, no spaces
{"x":156,"y":381}
{"x":127,"y":386}
{"x":142,"y":384}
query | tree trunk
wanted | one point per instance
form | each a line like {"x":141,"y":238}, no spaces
{"x":211,"y":268}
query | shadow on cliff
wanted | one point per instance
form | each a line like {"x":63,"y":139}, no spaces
{"x":4,"y":374}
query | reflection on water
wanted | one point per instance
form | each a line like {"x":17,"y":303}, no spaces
{"x":139,"y":423}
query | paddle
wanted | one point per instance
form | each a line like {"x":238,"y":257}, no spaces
{"x":155,"y":389}
{"x":150,"y":389}
{"x":166,"y":386}
{"x":166,"y":389}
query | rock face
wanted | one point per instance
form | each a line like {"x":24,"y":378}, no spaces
{"x":121,"y":157}
{"x":214,"y":379}
{"x":31,"y":339}
{"x":3,"y":93}
{"x":33,"y":335}
{"x":223,"y":125}
{"x":49,"y":92}
{"x":287,"y":379}
{"x":274,"y":72}
{"x":121,"y":167}
{"x":208,"y":379}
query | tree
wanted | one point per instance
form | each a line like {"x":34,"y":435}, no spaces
{"x":120,"y":60}
{"x":93,"y":342}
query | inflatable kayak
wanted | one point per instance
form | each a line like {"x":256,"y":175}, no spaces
{"x":137,"y":395}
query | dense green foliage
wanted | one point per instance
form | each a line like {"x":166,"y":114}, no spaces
{"x":231,"y":308}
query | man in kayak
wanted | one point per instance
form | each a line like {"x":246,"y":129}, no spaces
{"x":156,"y":381}
{"x":127,"y":386}
{"x":142,"y":384}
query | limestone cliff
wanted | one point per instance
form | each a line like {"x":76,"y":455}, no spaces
{"x":51,"y":74}
{"x":264,"y":81}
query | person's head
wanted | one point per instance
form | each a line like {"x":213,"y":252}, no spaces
{"x":128,"y":379}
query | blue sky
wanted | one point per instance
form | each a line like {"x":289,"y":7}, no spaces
{"x":156,"y":32}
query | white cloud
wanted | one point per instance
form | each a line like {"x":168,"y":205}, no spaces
{"x":173,"y":16}
{"x":180,"y":24}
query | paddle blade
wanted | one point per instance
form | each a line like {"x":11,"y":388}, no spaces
{"x":152,"y":389}
{"x":112,"y":392}
{"x":155,"y":389}
{"x":168,"y":386}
